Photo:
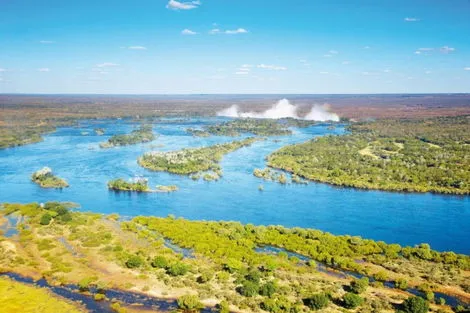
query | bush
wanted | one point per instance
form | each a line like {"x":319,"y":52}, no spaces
{"x":189,"y":303}
{"x":177,"y":269}
{"x":223,"y":307}
{"x":134,"y":261}
{"x":249,"y":289}
{"x":415,"y":305}
{"x":45,"y":219}
{"x":359,"y":285}
{"x":317,"y":301}
{"x":268,"y":289}
{"x":159,"y":262}
{"x":401,"y":283}
{"x":352,"y":300}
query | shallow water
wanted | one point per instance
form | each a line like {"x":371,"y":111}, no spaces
{"x":407,"y":219}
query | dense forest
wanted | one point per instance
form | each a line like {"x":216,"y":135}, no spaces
{"x":431,"y":155}
{"x":202,"y":262}
{"x":188,"y":161}
{"x":143,"y":134}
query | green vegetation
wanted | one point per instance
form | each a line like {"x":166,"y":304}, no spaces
{"x":17,"y":297}
{"x":99,"y":131}
{"x":190,"y":304}
{"x":317,"y":301}
{"x":414,"y":305}
{"x":188,"y":161}
{"x":139,"y":185}
{"x":400,"y":155}
{"x":225,"y":267}
{"x":143,"y":134}
{"x":259,"y":127}
{"x":198,"y":132}
{"x":46,"y":179}
{"x":169,"y":188}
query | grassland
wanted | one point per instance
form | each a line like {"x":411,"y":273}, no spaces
{"x":95,"y":250}
{"x":16,"y":297}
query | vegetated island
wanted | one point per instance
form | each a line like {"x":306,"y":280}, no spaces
{"x":46,"y":179}
{"x":99,"y":131}
{"x":427,"y":155}
{"x":240,"y":267}
{"x":269,"y":174}
{"x":194,"y":160}
{"x":141,"y":135}
{"x":138,"y":185}
{"x":259,"y":127}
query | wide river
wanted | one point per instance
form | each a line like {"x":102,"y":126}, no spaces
{"x":73,"y":153}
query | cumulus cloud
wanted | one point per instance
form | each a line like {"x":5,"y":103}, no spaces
{"x":44,"y":69}
{"x":271,"y":67}
{"x":136,"y":48}
{"x":107,"y":64}
{"x":447,"y":49}
{"x":216,"y":31}
{"x":176,"y":5}
{"x":188,"y":32}
{"x":236,"y":31}
{"x":411,"y":19}
{"x":282,"y":109}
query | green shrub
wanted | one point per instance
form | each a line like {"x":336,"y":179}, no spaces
{"x":359,"y":285}
{"x":317,"y":301}
{"x":134,"y":261}
{"x":352,"y":300}
{"x":177,"y":269}
{"x":189,"y":303}
{"x":268,"y":289}
{"x":401,"y":283}
{"x":249,"y":289}
{"x":415,"y":305}
{"x":223,"y":307}
{"x":45,"y":219}
{"x":159,"y":262}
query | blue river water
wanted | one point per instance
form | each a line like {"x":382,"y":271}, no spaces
{"x":74,"y":154}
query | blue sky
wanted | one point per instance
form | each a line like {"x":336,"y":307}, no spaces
{"x":234,"y":46}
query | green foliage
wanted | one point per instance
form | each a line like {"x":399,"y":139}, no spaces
{"x":401,"y":283}
{"x":45,"y":219}
{"x":177,"y":269}
{"x":359,"y":285}
{"x":249,"y":288}
{"x":189,"y":161}
{"x":143,"y":134}
{"x":403,"y":155}
{"x":189,"y":304}
{"x":159,"y":262}
{"x":134,"y":261}
{"x":259,"y":127}
{"x":223,"y":307}
{"x":352,"y":300}
{"x":139,"y":185}
{"x":268,"y":289}
{"x":46,"y":179}
{"x":414,"y":305}
{"x":317,"y":301}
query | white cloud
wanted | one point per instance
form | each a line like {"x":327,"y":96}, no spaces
{"x":136,"y":48}
{"x":271,"y":67}
{"x":333,"y":52}
{"x":242,"y":72}
{"x":214,"y":31}
{"x":176,"y":5}
{"x":447,"y":49}
{"x":427,"y":72}
{"x":44,"y":69}
{"x":366,"y":47}
{"x":324,"y":73}
{"x":327,"y":55}
{"x":45,"y":42}
{"x":411,"y":19}
{"x":236,"y":31}
{"x":107,"y":64}
{"x":2,"y":70}
{"x":425,"y":49}
{"x":188,"y":32}
{"x":345,"y":62}
{"x":466,"y":68}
